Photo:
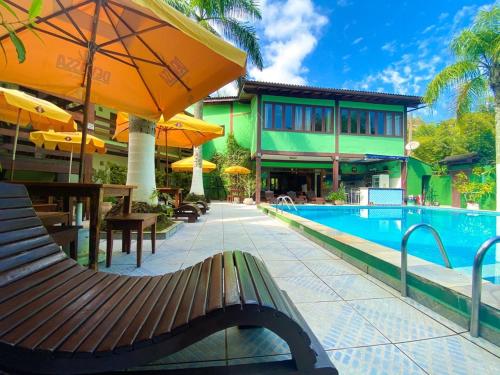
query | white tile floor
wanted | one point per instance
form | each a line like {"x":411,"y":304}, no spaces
{"x":364,"y":325}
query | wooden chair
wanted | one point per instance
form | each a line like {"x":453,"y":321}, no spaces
{"x":300,"y":199}
{"x":318,"y":200}
{"x":128,"y":223}
{"x":202,"y":206}
{"x":58,"y":317}
{"x":187,"y":211}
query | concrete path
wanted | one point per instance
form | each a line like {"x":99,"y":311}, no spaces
{"x":365,"y":326}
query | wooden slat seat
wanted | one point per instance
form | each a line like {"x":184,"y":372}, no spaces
{"x":188,"y":211}
{"x":58,"y":317}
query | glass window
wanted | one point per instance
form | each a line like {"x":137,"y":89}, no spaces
{"x":299,"y":111}
{"x":268,"y":116}
{"x":388,"y":122}
{"x":328,"y":120}
{"x":371,"y":123}
{"x":278,"y":116}
{"x":380,"y":123}
{"x":397,"y":124}
{"x":354,"y":121}
{"x":362,"y":122}
{"x":288,"y":117}
{"x":318,"y":119}
{"x":307,"y":124}
{"x":344,"y":113}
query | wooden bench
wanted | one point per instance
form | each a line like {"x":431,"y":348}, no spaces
{"x":45,"y":207}
{"x":202,"y":206}
{"x":128,"y":223}
{"x":58,"y":317}
{"x":188,"y":211}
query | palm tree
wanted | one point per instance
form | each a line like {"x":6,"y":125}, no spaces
{"x":224,"y":19}
{"x":141,"y":159}
{"x":476,"y":72}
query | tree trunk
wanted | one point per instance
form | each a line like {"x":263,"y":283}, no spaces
{"x":141,"y":159}
{"x":197,"y":180}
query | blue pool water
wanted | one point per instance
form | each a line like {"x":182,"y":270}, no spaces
{"x":462,"y":231}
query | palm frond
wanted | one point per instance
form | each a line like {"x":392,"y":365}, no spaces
{"x":453,"y":75}
{"x":488,"y":19}
{"x":182,"y":6}
{"x":470,"y":93}
{"x":475,"y":45}
{"x":248,"y":9}
{"x":244,"y":36}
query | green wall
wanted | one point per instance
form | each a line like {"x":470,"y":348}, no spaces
{"x":297,"y":142}
{"x":253,"y":124}
{"x":305,"y":101}
{"x":393,"y":168}
{"x":359,"y":144}
{"x":381,"y":107}
{"x":216,"y":114}
{"x":284,"y":164}
{"x":439,"y":190}
{"x":242,"y":124}
{"x":416,"y":170}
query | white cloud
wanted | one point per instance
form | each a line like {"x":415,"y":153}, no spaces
{"x":443,"y":16}
{"x":346,"y":57}
{"x":343,"y":3}
{"x":290,"y":31}
{"x":357,"y":40}
{"x":389,"y":47}
{"x":428,"y":28}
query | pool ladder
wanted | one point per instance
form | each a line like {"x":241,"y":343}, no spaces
{"x":477,"y":270}
{"x":285,"y":199}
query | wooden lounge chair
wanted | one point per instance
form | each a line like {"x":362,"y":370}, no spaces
{"x":202,"y":206}
{"x":58,"y":317}
{"x":300,"y":199}
{"x":188,"y":211}
{"x":318,"y":200}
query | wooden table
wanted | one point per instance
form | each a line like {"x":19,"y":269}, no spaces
{"x":175,"y":192}
{"x":54,"y":218}
{"x":96,"y":193}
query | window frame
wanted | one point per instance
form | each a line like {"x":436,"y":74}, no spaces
{"x":302,"y":129}
{"x":367,"y":127}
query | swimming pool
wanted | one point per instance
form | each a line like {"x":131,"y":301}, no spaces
{"x":461,"y":231}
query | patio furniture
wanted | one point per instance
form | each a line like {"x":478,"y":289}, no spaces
{"x":269,"y":196}
{"x":292,"y":194}
{"x":96,"y":193}
{"x":202,"y":206}
{"x":63,"y":234}
{"x":58,"y":317}
{"x":45,"y":207}
{"x":176,"y":193}
{"x":318,"y":200}
{"x":300,"y":199}
{"x":128,"y":223}
{"x":190,"y":212}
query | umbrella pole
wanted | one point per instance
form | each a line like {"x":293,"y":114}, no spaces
{"x":14,"y":148}
{"x":88,"y":85}
{"x":166,"y":158}
{"x":70,"y":164}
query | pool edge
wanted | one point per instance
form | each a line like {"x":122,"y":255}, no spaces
{"x":452,"y":301}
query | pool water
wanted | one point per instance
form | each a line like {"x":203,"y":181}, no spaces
{"x":461,"y":231}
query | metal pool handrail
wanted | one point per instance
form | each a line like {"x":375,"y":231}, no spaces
{"x":477,"y":273}
{"x":404,"y":252}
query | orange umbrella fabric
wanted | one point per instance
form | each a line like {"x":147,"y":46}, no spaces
{"x":236,"y":170}
{"x":139,"y":56}
{"x":180,"y":131}
{"x":67,"y":141}
{"x":186,"y":165}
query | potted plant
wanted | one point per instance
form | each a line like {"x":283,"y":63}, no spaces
{"x":474,"y":190}
{"x":249,"y":187}
{"x":337,"y":197}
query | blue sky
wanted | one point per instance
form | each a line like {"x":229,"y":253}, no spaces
{"x":375,"y":45}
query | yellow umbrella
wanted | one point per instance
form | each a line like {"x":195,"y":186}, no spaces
{"x":139,"y":56}
{"x":236,"y":170}
{"x":186,"y":165}
{"x":67,"y":141}
{"x":21,"y":109}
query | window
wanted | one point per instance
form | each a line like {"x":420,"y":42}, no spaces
{"x":288,"y":117}
{"x":328,"y":120}
{"x":381,"y":123}
{"x":371,"y":123}
{"x":344,"y":114}
{"x":268,"y":116}
{"x":318,"y":119}
{"x":354,"y":121}
{"x":278,"y":116}
{"x":389,"y":124}
{"x":397,"y":125}
{"x":299,"y":117}
{"x":307,"y":122}
{"x":362,"y":122}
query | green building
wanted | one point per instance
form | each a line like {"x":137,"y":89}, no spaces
{"x":312,"y":139}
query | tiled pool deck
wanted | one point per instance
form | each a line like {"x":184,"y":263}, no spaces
{"x":365,"y":326}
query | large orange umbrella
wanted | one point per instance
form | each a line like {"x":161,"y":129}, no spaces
{"x":21,"y":109}
{"x":139,"y":56}
{"x":186,"y":165}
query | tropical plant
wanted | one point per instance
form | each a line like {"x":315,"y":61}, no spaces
{"x":12,"y":27}
{"x":337,"y":196}
{"x":249,"y":185}
{"x":112,"y":173}
{"x":228,"y":19}
{"x":476,"y":72}
{"x":474,"y":189}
